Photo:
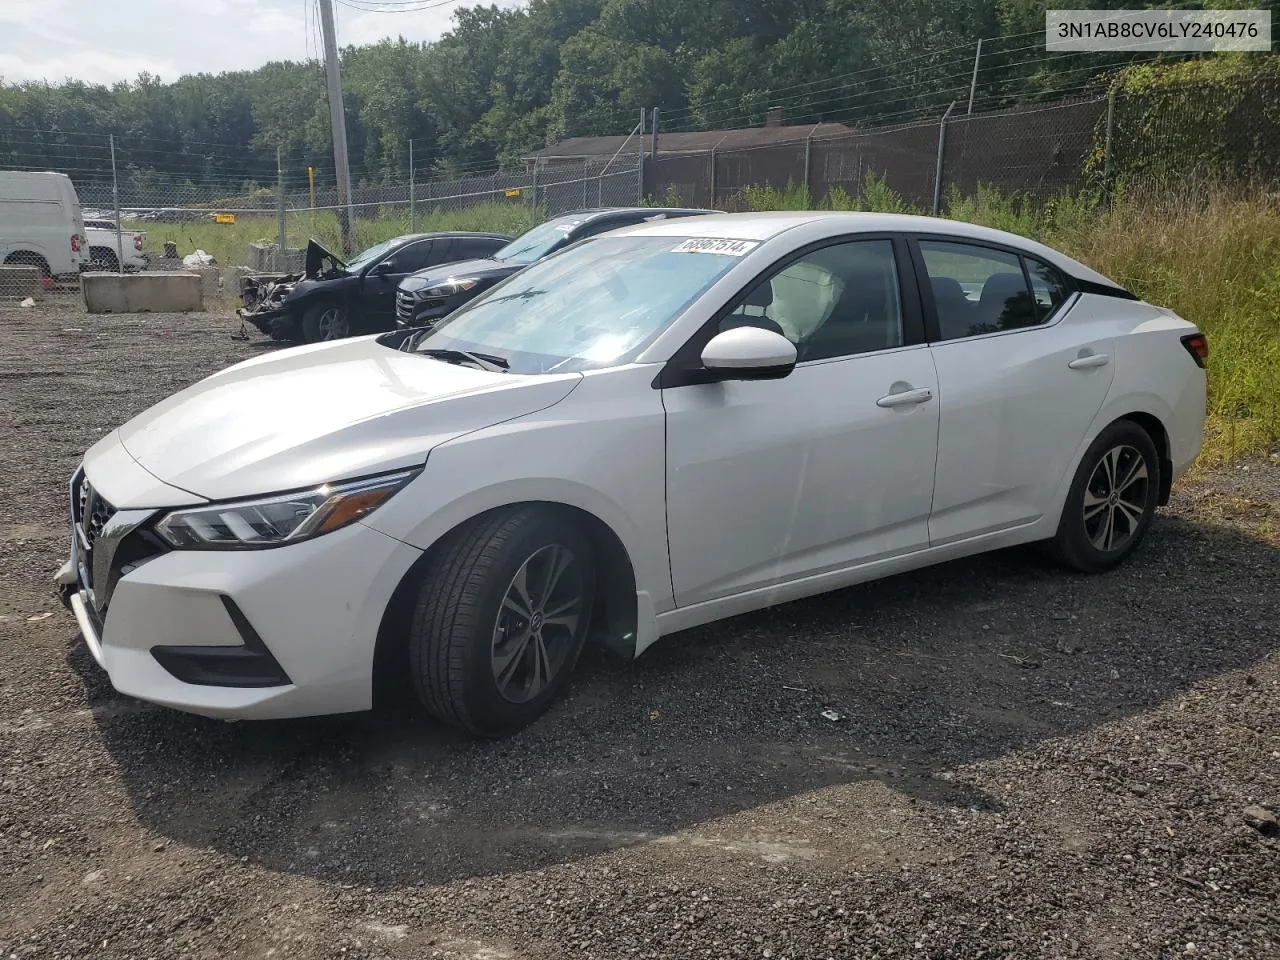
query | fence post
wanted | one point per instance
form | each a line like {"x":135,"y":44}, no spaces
{"x":640,"y":160}
{"x":115,"y":198}
{"x":533,"y":208}
{"x":1106,"y":149}
{"x":808,"y":155}
{"x":973,"y":84}
{"x":413,"y":213}
{"x":585,"y":178}
{"x":937,"y":172}
{"x":281,"y":227}
{"x":713,"y":178}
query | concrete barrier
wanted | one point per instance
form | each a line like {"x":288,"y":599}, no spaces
{"x":142,"y":292}
{"x":19,"y":280}
{"x":268,"y":258}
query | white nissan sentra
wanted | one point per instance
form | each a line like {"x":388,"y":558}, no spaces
{"x":653,"y":429}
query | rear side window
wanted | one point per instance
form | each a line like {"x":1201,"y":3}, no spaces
{"x":476,"y":248}
{"x":1048,"y":286}
{"x":977,"y":290}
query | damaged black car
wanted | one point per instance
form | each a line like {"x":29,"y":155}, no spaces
{"x":332,"y":298}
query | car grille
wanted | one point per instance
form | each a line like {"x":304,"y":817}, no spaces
{"x":404,"y":306}
{"x":90,"y":513}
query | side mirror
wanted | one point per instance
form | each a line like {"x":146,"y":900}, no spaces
{"x":749,"y":353}
{"x":379,"y":269}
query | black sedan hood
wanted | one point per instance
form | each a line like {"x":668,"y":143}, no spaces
{"x":487,"y":271}
{"x":320,"y":261}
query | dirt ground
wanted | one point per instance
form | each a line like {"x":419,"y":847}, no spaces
{"x":1027,"y":764}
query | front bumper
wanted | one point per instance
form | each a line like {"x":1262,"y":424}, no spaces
{"x":255,"y":634}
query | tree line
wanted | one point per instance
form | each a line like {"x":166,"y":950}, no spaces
{"x":504,"y":81}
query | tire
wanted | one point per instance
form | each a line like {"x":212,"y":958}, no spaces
{"x":284,"y":328}
{"x":479,"y":615}
{"x":326,"y":320}
{"x":1111,"y":501}
{"x":103,"y":258}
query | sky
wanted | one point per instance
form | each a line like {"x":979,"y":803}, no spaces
{"x":102,"y":41}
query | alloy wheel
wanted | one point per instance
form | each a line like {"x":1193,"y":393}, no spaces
{"x":1115,"y":499}
{"x":537,"y":623}
{"x":332,"y":324}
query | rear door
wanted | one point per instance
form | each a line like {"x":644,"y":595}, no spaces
{"x":1022,"y":371}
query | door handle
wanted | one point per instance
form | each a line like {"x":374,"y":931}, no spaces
{"x":1089,"y":362}
{"x":906,"y":398}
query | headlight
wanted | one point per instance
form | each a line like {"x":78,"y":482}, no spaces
{"x":277,"y":520}
{"x":442,"y":291}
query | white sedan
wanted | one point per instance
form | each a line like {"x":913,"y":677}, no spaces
{"x":653,"y":429}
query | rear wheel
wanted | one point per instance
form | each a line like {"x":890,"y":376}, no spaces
{"x":103,"y":258}
{"x":31,"y":259}
{"x":1111,"y":501}
{"x":501,"y":618}
{"x":326,"y":320}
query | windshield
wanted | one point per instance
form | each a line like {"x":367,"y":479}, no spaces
{"x":373,"y":253}
{"x":594,"y":305}
{"x":538,"y":242}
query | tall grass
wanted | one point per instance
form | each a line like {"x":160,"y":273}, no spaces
{"x":1209,"y":253}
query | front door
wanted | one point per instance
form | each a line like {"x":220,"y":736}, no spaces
{"x":379,"y":285}
{"x":769,"y":481}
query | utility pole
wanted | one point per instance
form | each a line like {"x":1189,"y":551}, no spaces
{"x":338,"y":121}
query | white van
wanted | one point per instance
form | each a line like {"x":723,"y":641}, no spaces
{"x":41,"y":222}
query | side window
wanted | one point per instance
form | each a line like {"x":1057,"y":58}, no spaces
{"x":444,"y":250}
{"x":415,"y":256}
{"x":475,"y":248}
{"x":1047,"y":286}
{"x":976,"y":289}
{"x":834,"y":302}
{"x":604,"y":226}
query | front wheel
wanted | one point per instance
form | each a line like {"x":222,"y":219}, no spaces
{"x":325,"y":321}
{"x":1111,"y":501}
{"x":501,"y":618}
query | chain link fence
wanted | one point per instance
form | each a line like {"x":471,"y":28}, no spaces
{"x":1227,"y":133}
{"x":262,"y":219}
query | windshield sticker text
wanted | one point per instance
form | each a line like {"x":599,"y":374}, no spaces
{"x":728,"y":248}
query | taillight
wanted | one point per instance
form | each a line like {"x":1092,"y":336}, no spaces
{"x":75,"y":243}
{"x":137,"y":241}
{"x":1197,"y":345}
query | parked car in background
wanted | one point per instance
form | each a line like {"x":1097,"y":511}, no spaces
{"x":332,"y":298}
{"x":427,"y":296}
{"x":41,"y":223}
{"x":103,"y":246}
{"x":653,"y":429}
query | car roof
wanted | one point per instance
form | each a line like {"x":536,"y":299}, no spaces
{"x":448,"y":234}
{"x":767,"y":225}
{"x":596,"y":213}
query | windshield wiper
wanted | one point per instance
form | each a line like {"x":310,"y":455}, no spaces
{"x":484,"y":361}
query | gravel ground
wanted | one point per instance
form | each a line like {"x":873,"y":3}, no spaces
{"x":1027,"y":764}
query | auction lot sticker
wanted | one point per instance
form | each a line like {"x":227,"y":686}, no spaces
{"x":728,"y":248}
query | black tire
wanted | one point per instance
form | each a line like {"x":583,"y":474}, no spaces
{"x":1123,"y":456}
{"x":326,"y":320}
{"x":284,"y":328}
{"x":31,"y":259}
{"x":463,"y":617}
{"x":103,"y":258}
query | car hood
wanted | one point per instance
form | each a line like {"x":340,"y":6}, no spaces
{"x":474,"y":269}
{"x":310,"y":415}
{"x":319,"y":261}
